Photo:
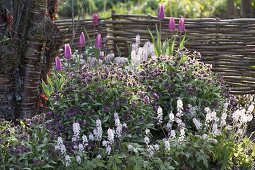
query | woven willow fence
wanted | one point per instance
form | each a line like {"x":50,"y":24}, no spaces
{"x":229,"y":45}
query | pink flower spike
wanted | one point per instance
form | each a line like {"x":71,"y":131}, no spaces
{"x":161,"y":12}
{"x":181,"y":27}
{"x":58,"y":64}
{"x":82,"y":40}
{"x":95,"y":19}
{"x":98,"y":43}
{"x":68,"y":52}
{"x":171,"y":24}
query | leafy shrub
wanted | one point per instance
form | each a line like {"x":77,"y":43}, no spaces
{"x":24,"y":146}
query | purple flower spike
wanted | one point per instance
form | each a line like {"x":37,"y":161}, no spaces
{"x":58,"y":64}
{"x":171,"y":24}
{"x":95,"y":20}
{"x":98,"y":43}
{"x":181,"y":25}
{"x":82,"y":40}
{"x":68,"y":52}
{"x":161,"y":12}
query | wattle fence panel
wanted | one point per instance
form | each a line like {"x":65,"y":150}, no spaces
{"x":229,"y":45}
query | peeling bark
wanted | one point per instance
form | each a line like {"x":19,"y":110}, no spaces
{"x":29,"y":43}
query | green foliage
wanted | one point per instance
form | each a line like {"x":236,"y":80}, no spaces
{"x":185,"y":8}
{"x":25,"y":147}
{"x":193,"y":153}
{"x":230,"y":152}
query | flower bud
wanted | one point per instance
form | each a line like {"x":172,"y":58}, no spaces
{"x":171,"y":24}
{"x":98,"y":43}
{"x":161,"y":12}
{"x":181,"y":27}
{"x":68,"y":52}
{"x":95,"y":19}
{"x":82,"y":40}
{"x":58,"y":64}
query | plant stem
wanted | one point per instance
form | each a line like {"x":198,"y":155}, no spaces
{"x":72,"y":21}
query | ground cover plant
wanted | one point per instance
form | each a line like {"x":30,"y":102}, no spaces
{"x":161,"y":109}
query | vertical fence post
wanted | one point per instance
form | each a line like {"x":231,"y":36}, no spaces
{"x":113,"y":35}
{"x":230,"y":8}
{"x":246,"y":8}
{"x":216,"y":56}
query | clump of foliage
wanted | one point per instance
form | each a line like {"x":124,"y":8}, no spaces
{"x":26,"y":145}
{"x":98,"y":92}
{"x":186,"y":8}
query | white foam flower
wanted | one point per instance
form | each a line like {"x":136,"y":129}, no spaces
{"x":160,"y":115}
{"x":78,"y":159}
{"x":224,"y":116}
{"x":76,"y":129}
{"x":135,"y":59}
{"x":147,"y":131}
{"x":179,"y":107}
{"x":145,"y":54}
{"x":169,"y":126}
{"x":239,"y":131}
{"x":110,"y":133}
{"x":249,"y":117}
{"x":91,"y":137}
{"x":104,"y":143}
{"x":250,"y":108}
{"x":98,"y":131}
{"x":98,"y":123}
{"x":182,"y":132}
{"x":223,"y":123}
{"x":172,"y":134}
{"x":99,"y":157}
{"x":167,"y":144}
{"x":215,"y":129}
{"x":118,"y":125}
{"x":214,"y":116}
{"x":204,"y":136}
{"x":60,"y":146}
{"x":116,"y":115}
{"x":178,"y":121}
{"x":60,"y":140}
{"x":146,"y":140}
{"x":226,"y":106}
{"x":197,"y":123}
{"x":150,"y":150}
{"x":245,"y":118}
{"x":192,"y":110}
{"x":63,"y":149}
{"x":81,"y":147}
{"x":84,"y":140}
{"x":208,"y":117}
{"x":108,"y":149}
{"x":137,"y":39}
{"x":207,"y":110}
{"x":229,"y":127}
{"x":171,"y":116}
{"x":119,"y":130}
{"x":67,"y":160}
{"x":236,"y":114}
{"x":74,"y":138}
{"x":124,"y":125}
{"x":156,"y":147}
{"x":243,"y":111}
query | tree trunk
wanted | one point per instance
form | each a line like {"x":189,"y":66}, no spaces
{"x":246,"y":8}
{"x":29,"y":42}
{"x":230,"y":8}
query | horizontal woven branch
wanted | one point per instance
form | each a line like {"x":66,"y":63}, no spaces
{"x":229,"y":45}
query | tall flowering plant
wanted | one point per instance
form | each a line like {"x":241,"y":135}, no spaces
{"x":167,"y":48}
